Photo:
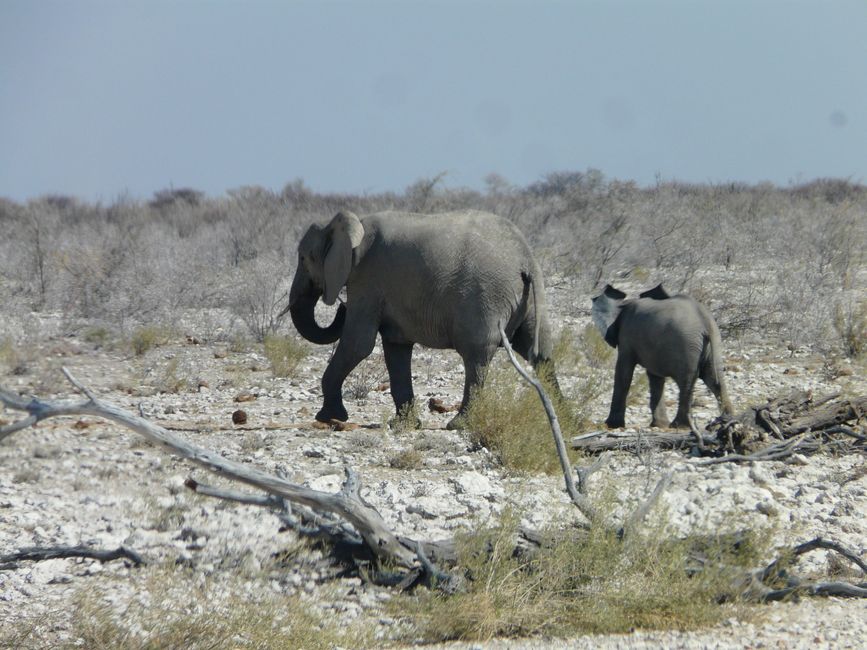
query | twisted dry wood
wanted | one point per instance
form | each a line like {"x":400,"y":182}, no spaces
{"x":347,"y":504}
{"x":38,"y":553}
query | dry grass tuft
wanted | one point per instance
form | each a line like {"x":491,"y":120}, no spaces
{"x":507,"y":418}
{"x":176,"y":611}
{"x":579,"y":583}
{"x":284,"y":353}
{"x":148,"y":337}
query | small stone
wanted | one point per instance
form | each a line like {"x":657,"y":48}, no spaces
{"x":245,"y":396}
{"x":239,"y":417}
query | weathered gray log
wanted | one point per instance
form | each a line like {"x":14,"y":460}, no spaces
{"x":598,"y":441}
{"x":37,"y":553}
{"x":347,"y":504}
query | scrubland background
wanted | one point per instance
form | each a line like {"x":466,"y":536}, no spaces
{"x":790,"y":255}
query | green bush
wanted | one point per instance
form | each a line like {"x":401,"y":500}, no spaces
{"x":588,"y":582}
{"x":284,"y":353}
{"x":148,"y":337}
{"x":507,"y":417}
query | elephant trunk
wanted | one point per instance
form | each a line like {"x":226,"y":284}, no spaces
{"x":302,"y":302}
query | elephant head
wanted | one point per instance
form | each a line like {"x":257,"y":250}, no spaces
{"x":606,"y":309}
{"x":325,"y":258}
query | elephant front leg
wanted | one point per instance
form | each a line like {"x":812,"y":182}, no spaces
{"x":354,"y":346}
{"x":659,"y":416}
{"x":475,"y":367}
{"x":623,"y":370}
{"x":398,"y":361}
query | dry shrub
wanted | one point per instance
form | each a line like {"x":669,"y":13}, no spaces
{"x":148,"y":337}
{"x":580,"y":583}
{"x":850,"y":323}
{"x":507,"y":418}
{"x":410,"y":458}
{"x":284,"y":353}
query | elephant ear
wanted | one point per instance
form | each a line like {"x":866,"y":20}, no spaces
{"x":345,"y":233}
{"x":606,"y":313}
{"x":613,"y":293}
{"x":657,"y":293}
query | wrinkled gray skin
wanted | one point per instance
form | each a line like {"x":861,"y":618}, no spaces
{"x":670,"y":336}
{"x":443,"y":281}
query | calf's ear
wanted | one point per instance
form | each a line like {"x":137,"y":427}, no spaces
{"x":657,"y":293}
{"x":613,"y":293}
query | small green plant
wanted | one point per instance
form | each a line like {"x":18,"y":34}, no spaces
{"x":366,"y":376}
{"x":409,"y":458}
{"x":284,"y":353}
{"x":11,"y":358}
{"x":407,"y":419}
{"x":588,"y":582}
{"x":641,"y":274}
{"x":97,"y":336}
{"x":170,"y":380}
{"x":240,"y":344}
{"x":148,"y":337}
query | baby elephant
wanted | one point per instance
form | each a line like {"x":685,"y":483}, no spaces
{"x":671,"y":336}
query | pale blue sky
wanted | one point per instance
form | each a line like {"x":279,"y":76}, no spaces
{"x":102,"y":98}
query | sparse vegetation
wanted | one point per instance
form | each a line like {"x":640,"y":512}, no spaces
{"x":177,"y":611}
{"x":134,"y":262}
{"x":507,"y":418}
{"x":148,"y":337}
{"x":850,"y":323}
{"x":581,"y":583}
{"x":284,"y":353}
{"x":409,"y":458}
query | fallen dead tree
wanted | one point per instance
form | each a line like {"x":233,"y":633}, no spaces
{"x":36,"y":553}
{"x":355,"y":531}
{"x":774,"y":430}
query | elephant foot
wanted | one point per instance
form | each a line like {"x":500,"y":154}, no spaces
{"x":329,"y":413}
{"x":615,"y":422}
{"x":680,"y":423}
{"x":658,"y":423}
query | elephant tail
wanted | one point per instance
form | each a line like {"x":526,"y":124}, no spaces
{"x":712,"y":366}
{"x":534,"y":291}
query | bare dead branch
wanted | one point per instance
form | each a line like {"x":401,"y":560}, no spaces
{"x":581,"y":502}
{"x":364,"y":518}
{"x":812,"y":545}
{"x":37,"y":553}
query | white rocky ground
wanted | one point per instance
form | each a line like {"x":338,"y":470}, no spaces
{"x":88,"y":481}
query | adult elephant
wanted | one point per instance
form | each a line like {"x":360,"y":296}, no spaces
{"x":670,"y":336}
{"x":444,"y":281}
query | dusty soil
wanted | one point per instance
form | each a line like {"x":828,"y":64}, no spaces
{"x":72,"y":481}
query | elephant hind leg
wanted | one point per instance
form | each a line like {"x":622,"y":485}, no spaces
{"x":476,"y":361}
{"x":659,"y":416}
{"x":398,"y":361}
{"x":684,"y":401}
